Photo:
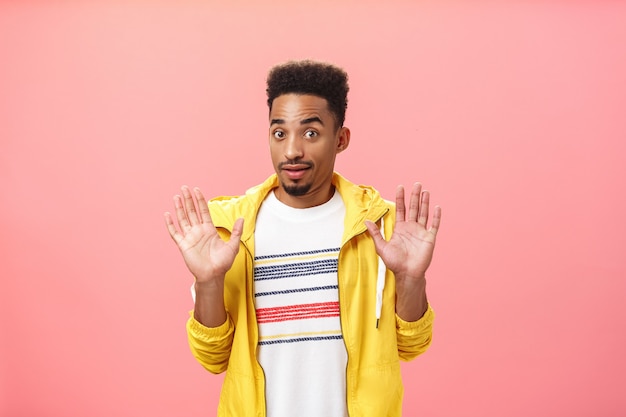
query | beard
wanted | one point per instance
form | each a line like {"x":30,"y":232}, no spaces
{"x":296,"y":190}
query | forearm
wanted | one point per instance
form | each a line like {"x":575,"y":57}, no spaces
{"x":209,"y":307}
{"x":411,"y":300}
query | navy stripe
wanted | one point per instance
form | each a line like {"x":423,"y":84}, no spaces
{"x":293,"y":265}
{"x":299,"y":274}
{"x":300,"y":339}
{"x":284,"y":255}
{"x":295,"y":290}
{"x":292,"y":270}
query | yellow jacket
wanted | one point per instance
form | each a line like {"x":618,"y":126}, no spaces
{"x":373,"y":381}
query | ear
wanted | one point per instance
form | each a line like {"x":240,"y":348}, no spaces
{"x":343,"y":140}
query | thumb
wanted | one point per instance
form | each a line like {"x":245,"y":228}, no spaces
{"x":374,"y":232}
{"x":235,"y":236}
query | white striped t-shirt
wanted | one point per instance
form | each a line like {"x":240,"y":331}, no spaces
{"x":301,"y":348}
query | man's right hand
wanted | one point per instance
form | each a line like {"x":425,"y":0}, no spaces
{"x":207,"y":256}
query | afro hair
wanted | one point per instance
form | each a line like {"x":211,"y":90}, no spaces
{"x":310,"y":77}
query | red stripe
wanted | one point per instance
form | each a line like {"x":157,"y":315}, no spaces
{"x":317,"y":316}
{"x":296,"y":308}
{"x":297,"y":312}
{"x":276,"y":312}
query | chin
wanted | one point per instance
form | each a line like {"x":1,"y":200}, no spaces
{"x":296,"y":190}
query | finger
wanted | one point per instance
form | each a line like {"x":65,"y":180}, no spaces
{"x":374,"y":231}
{"x":237,"y":229}
{"x":414,"y":203}
{"x":423,"y":214}
{"x":181,"y":214}
{"x":171,"y":228}
{"x":434,"y":228}
{"x":192,"y":214}
{"x":235,"y":236}
{"x":400,"y":209}
{"x":203,"y":207}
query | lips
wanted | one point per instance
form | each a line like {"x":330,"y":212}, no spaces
{"x":295,"y":171}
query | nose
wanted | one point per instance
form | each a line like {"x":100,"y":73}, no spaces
{"x":293,"y":148}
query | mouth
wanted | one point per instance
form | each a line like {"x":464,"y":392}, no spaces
{"x":295,"y":171}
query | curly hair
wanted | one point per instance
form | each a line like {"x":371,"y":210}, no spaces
{"x":310,"y":77}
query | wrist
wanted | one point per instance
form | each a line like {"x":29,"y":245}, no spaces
{"x":209,"y":308}
{"x":411,"y":300}
{"x":209,"y":285}
{"x":410,"y":281}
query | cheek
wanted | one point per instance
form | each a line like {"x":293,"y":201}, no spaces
{"x":326,"y":155}
{"x":275,"y":153}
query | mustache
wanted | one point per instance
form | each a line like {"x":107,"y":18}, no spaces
{"x":308,"y":164}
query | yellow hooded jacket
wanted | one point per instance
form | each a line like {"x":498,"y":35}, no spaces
{"x":373,"y":381}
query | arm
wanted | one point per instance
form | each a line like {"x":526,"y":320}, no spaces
{"x":206,"y":255}
{"x":414,"y":337}
{"x":409,"y":251}
{"x":211,"y":345}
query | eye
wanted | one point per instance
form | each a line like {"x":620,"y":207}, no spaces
{"x":310,"y":134}
{"x":278,"y":134}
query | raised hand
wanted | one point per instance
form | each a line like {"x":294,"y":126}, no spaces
{"x":409,"y":251}
{"x":207,"y":256}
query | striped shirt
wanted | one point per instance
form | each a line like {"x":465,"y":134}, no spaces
{"x":301,"y":348}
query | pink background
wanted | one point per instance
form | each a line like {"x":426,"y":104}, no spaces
{"x":512,"y":115}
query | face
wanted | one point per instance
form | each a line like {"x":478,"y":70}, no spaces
{"x":304,"y":141}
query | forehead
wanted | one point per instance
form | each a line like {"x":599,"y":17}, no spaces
{"x":299,"y":106}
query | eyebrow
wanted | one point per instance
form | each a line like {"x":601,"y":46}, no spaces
{"x":302,"y":122}
{"x":312,"y":120}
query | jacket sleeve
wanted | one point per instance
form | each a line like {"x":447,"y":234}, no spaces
{"x":414,"y":337}
{"x":211,"y":345}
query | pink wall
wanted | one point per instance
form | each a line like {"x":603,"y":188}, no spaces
{"x":514,"y":117}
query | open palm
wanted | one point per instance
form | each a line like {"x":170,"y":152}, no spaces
{"x":409,"y":251}
{"x":205,"y":253}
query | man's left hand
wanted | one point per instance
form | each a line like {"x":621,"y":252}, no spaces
{"x":409,"y":251}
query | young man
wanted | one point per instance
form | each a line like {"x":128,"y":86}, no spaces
{"x":308,"y":288}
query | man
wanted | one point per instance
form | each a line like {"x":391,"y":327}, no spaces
{"x":308,"y":288}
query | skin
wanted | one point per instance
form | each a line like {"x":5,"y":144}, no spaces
{"x":304,"y":142}
{"x":409,"y":251}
